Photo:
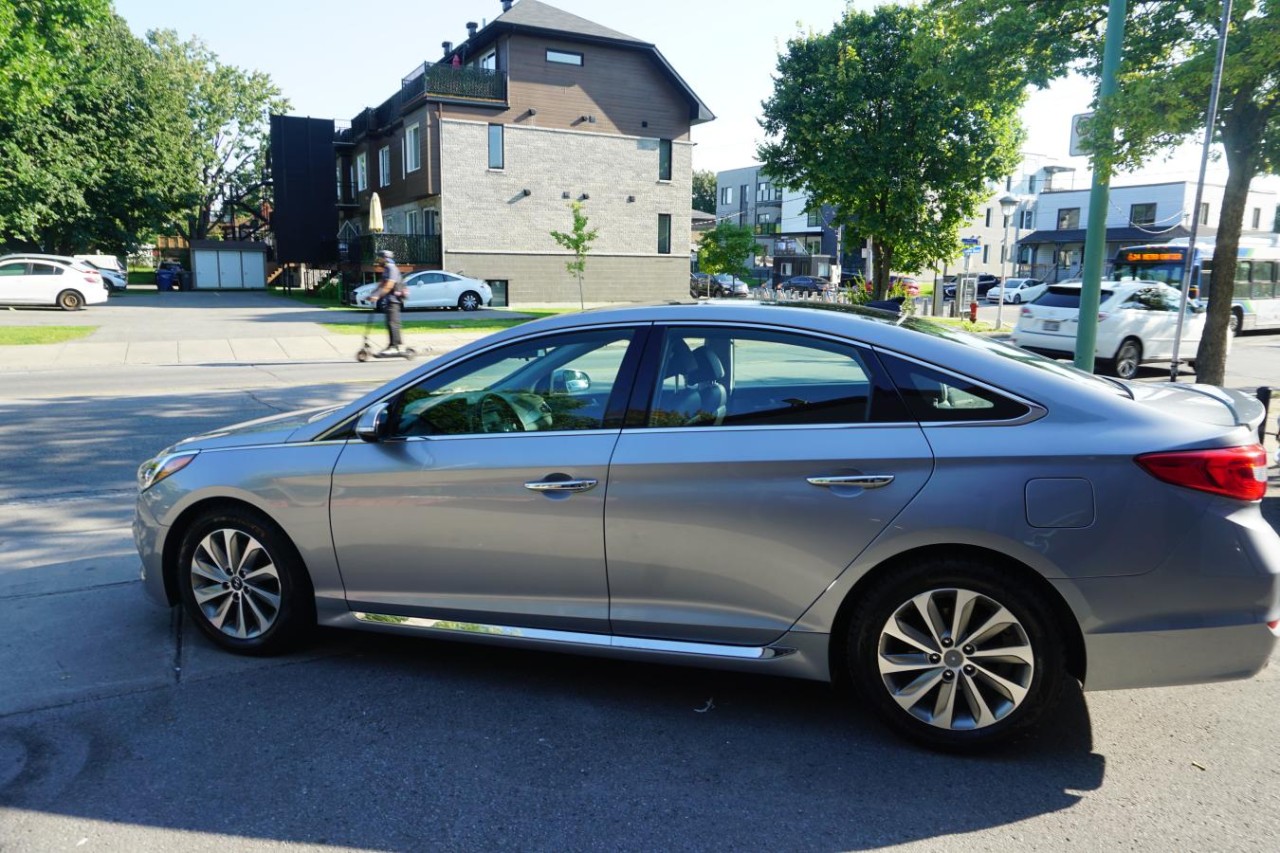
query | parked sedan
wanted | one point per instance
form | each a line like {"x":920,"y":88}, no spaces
{"x":51,"y":280}
{"x":986,"y":281}
{"x":721,"y":285}
{"x":434,"y":289}
{"x":754,"y":486}
{"x":1137,"y":323}
{"x":1016,"y":290}
{"x":805,"y":284}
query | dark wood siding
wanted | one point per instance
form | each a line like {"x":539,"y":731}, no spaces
{"x":621,"y":88}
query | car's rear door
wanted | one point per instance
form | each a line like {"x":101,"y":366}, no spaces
{"x":724,"y":526}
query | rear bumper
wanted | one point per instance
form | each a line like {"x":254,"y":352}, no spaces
{"x":1168,"y":658}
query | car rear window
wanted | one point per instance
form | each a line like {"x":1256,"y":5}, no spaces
{"x":1065,"y":297}
{"x":934,"y":396}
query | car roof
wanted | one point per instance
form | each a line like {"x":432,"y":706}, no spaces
{"x":57,"y":259}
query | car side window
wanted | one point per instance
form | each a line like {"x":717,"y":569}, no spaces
{"x":45,"y":269}
{"x":934,"y":396}
{"x":18,"y":268}
{"x":1151,"y":299}
{"x":721,"y":377}
{"x":551,"y":383}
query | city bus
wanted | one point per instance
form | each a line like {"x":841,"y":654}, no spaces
{"x":1255,"y":298}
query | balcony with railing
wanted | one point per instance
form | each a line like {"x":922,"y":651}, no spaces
{"x":447,"y":82}
{"x":414,"y":249}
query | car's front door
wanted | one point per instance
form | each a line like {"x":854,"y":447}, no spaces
{"x":484,"y":501}
{"x":769,"y":460}
{"x":430,"y":290}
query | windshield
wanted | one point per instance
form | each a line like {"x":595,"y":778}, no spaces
{"x":1166,"y":273}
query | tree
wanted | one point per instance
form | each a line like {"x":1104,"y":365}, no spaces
{"x":727,"y":249}
{"x":882,"y":119}
{"x":578,"y":241}
{"x":227,"y":128}
{"x":704,"y":190}
{"x":1169,"y":54}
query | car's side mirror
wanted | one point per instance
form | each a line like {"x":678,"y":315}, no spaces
{"x":372,"y":424}
{"x":570,"y":381}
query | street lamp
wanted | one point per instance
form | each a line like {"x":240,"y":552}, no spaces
{"x":1008,"y":205}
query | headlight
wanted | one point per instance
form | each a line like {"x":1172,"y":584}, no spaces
{"x":157,"y":468}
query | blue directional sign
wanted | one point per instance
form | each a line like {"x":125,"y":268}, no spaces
{"x":970,"y":241}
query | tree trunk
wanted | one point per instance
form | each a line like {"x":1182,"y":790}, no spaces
{"x":1242,"y":140}
{"x":882,"y":259}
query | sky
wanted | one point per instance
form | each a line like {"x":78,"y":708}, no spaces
{"x":332,"y":58}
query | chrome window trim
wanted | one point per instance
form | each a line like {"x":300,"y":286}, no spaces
{"x":575,"y":638}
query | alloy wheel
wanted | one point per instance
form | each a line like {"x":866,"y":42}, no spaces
{"x":955,"y":659}
{"x":235,"y":583}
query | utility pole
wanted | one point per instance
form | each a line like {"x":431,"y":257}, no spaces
{"x":1095,"y":241}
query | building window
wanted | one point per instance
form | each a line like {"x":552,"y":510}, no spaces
{"x":564,"y":57}
{"x":384,"y":166}
{"x":489,"y":62}
{"x":986,"y":250}
{"x":1257,"y":218}
{"x":988,"y":222}
{"x":813,"y":219}
{"x":413,"y":222}
{"x":1028,"y":219}
{"x":726,"y":195}
{"x":1204,"y":213}
{"x":764,"y":191}
{"x":1031,"y":184}
{"x":431,"y":219}
{"x":664,"y":159}
{"x":1142,"y":214}
{"x":362,"y":171}
{"x":1068,"y":218}
{"x":496,"y":159}
{"x":412,"y":148}
{"x":664,"y":233}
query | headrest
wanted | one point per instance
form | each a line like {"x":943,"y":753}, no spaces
{"x":707,"y":366}
{"x":679,"y":359}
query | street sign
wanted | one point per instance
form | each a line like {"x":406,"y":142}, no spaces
{"x":970,"y":241}
{"x":1078,"y":129}
{"x":973,"y":250}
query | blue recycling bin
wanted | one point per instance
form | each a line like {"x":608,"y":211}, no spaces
{"x":167,"y":277}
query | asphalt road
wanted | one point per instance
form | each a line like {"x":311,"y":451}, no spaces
{"x":122,"y":729}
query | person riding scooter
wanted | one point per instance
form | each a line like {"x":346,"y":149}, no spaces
{"x":390,"y":298}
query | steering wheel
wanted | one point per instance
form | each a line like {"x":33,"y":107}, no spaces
{"x":498,"y":415}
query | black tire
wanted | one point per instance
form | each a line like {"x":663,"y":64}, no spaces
{"x":1128,"y":359}
{"x":1017,"y":299}
{"x":967,"y":729}
{"x":469,"y":301}
{"x":1235,"y":324}
{"x":70,"y":300}
{"x":249,"y":625}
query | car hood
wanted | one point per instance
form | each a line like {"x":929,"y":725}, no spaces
{"x":275,"y":429}
{"x":1210,"y":404}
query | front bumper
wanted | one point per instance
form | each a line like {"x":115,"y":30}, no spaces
{"x":149,"y":538}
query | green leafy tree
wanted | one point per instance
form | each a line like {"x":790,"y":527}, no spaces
{"x":1169,"y":54}
{"x":578,"y":241}
{"x":226,"y":130}
{"x":704,"y":190}
{"x":727,"y":248}
{"x":883,"y":119}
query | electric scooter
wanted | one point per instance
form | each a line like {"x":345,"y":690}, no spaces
{"x":367,"y":351}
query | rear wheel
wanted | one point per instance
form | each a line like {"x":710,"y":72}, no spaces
{"x":1128,"y":358}
{"x":469,"y":301}
{"x":956,"y":654}
{"x":70,"y":300}
{"x":1017,"y":299}
{"x":243,"y":583}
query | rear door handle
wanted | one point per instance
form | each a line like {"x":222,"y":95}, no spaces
{"x":582,"y":485}
{"x":862,"y":481}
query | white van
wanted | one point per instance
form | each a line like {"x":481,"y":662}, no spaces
{"x":113,"y":272}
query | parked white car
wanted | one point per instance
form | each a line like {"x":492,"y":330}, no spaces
{"x":49,"y":280}
{"x":1016,"y":290}
{"x":434,"y":289}
{"x":1137,"y":322}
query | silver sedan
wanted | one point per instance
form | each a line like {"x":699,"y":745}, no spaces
{"x":954,"y":525}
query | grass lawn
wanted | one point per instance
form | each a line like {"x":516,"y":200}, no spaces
{"x":962,"y":323}
{"x":410,"y":323}
{"x":22,"y":335}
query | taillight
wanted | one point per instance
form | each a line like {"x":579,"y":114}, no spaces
{"x":1233,"y":472}
{"x":1026,"y":311}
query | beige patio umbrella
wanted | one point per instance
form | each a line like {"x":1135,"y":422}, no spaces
{"x":375,"y":214}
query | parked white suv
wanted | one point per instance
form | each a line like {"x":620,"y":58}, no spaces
{"x":50,"y":280}
{"x":113,"y":272}
{"x":1137,"y":321}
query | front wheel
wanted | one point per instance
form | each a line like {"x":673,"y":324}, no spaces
{"x":70,"y":300}
{"x":955,"y":654}
{"x":1236,"y":322}
{"x":243,"y":583}
{"x":469,"y":301}
{"x":1017,"y":299}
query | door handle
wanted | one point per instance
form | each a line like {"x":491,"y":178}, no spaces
{"x":583,"y":485}
{"x":862,"y":481}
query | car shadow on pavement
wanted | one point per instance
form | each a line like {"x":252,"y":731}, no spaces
{"x":393,"y":743}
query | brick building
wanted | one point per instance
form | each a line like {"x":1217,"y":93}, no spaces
{"x":478,"y":156}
